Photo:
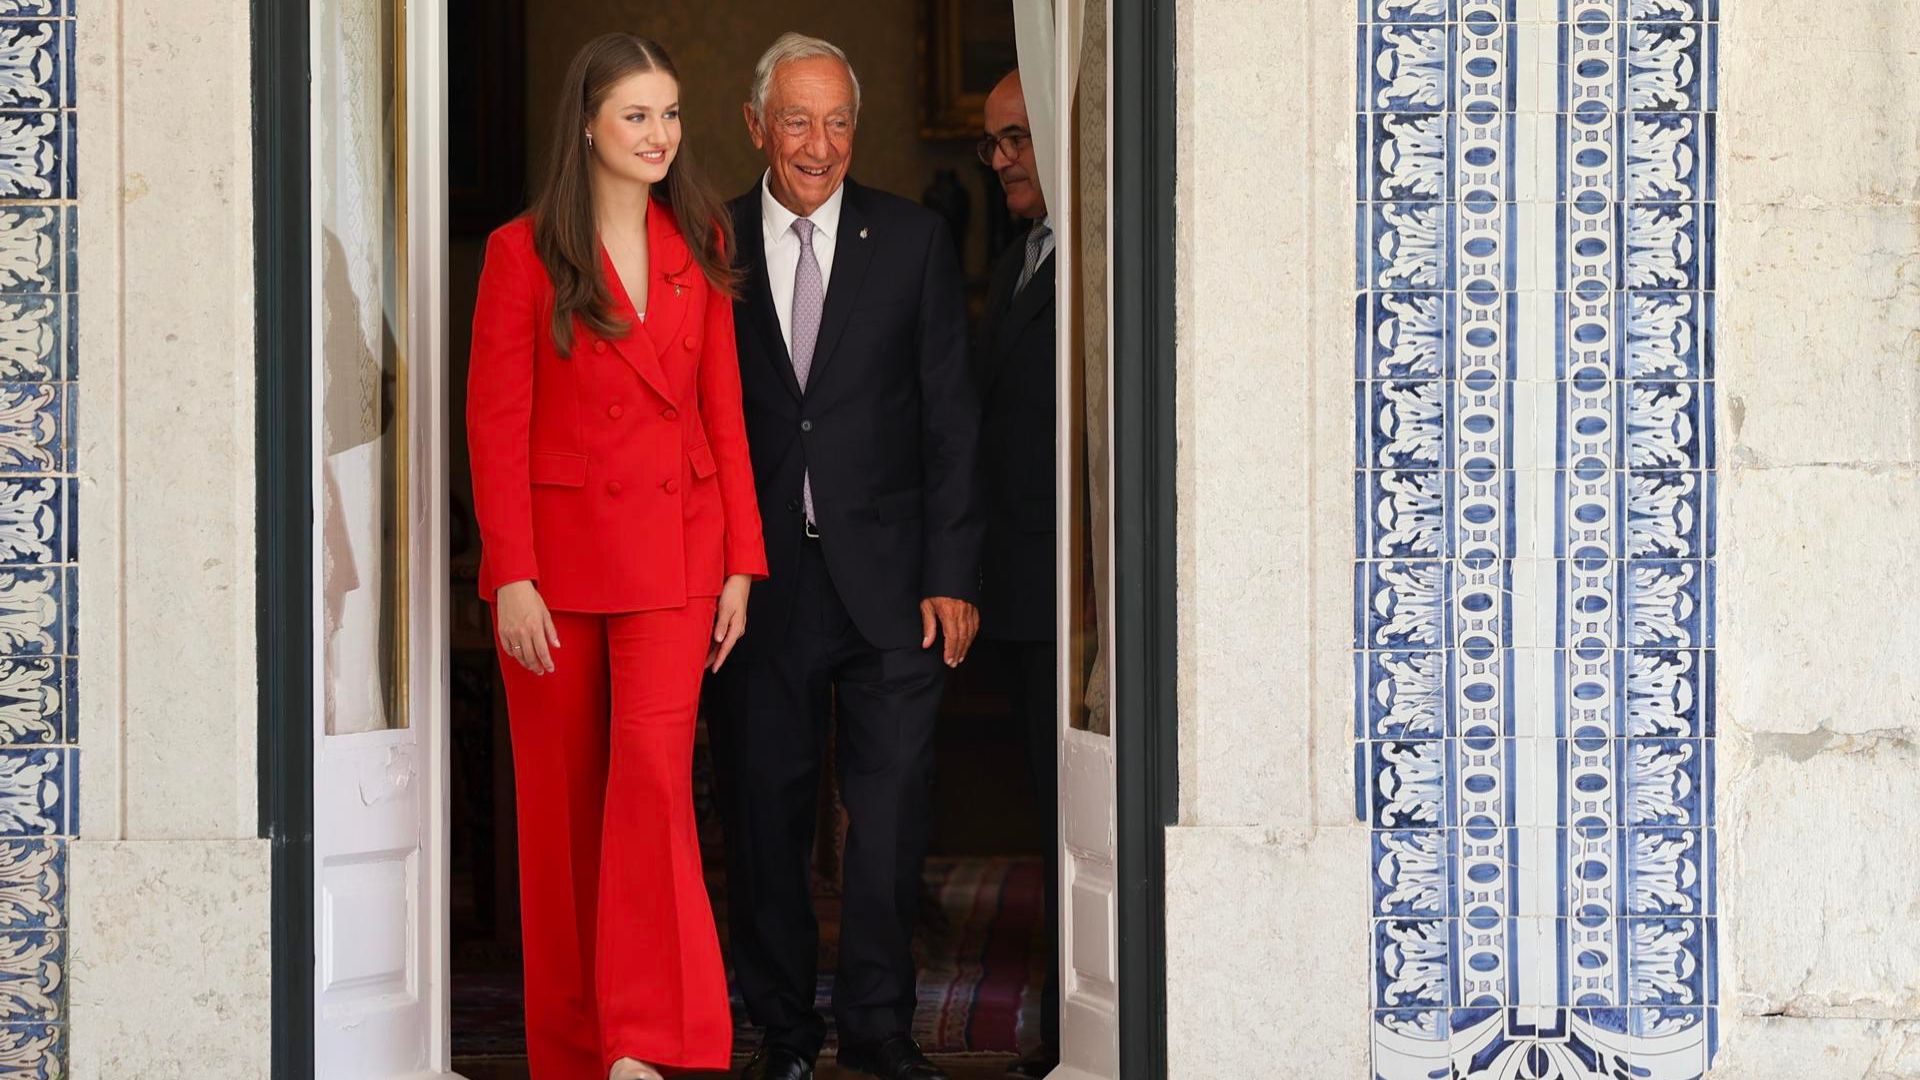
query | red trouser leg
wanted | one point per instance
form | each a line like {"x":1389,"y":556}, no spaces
{"x":621,"y":955}
{"x":662,"y":987}
{"x":559,"y":725}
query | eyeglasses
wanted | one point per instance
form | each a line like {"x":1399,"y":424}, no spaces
{"x":1009,"y":144}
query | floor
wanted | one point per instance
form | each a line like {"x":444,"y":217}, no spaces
{"x":970,"y":1067}
{"x":980,"y":748}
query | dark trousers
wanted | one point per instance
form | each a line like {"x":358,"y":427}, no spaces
{"x":1034,"y":685}
{"x":769,"y":732}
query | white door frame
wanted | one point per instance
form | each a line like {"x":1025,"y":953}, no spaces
{"x":427,"y":177}
{"x":416,"y":756}
{"x":1120,"y":942}
{"x":1087,"y":839}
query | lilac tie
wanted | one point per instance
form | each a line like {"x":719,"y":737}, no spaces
{"x":809,"y":297}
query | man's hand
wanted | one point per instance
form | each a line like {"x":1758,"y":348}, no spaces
{"x":955,"y":620}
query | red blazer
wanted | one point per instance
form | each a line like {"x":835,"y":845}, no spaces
{"x":617,"y":477}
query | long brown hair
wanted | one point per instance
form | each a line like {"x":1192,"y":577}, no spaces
{"x":565,"y":232}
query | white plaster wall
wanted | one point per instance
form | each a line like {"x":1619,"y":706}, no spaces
{"x":1267,"y":869}
{"x":169,"y":884}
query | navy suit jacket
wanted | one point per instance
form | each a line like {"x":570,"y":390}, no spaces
{"x":888,"y":426}
{"x":1014,"y":370}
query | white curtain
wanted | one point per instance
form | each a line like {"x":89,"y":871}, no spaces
{"x":1034,"y":37}
{"x":1038,"y":28}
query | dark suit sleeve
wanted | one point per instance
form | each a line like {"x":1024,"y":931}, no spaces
{"x":949,"y":431}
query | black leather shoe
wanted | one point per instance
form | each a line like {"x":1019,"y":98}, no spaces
{"x":898,"y":1058}
{"x":1037,"y":1065}
{"x":776,"y":1063}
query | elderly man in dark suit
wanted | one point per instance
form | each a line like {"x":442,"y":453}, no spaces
{"x":1014,"y":370}
{"x":863,"y":428}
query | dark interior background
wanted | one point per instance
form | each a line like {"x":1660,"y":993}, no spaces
{"x":920,"y":63}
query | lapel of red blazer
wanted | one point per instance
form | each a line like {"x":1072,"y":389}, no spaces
{"x":666,"y":302}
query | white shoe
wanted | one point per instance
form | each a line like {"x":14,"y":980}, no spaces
{"x":629,"y":1069}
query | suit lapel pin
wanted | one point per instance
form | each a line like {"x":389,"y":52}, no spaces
{"x":863,"y":234}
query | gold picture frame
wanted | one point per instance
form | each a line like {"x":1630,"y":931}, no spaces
{"x":965,"y":47}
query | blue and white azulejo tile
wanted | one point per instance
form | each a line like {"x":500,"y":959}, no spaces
{"x":1535,"y":541}
{"x":39,"y":574}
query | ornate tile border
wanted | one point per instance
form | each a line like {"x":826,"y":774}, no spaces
{"x":39,"y":758}
{"x":1534,"y":571}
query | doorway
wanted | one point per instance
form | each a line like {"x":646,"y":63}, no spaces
{"x":464,"y":873}
{"x":924,"y":67}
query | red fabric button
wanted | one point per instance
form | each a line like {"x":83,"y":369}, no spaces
{"x":670,"y":487}
{"x":599,"y":346}
{"x":692,"y":343}
{"x":670,"y":413}
{"x":615,"y":411}
{"x":613,"y":487}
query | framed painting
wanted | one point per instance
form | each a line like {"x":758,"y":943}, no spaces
{"x":965,"y":47}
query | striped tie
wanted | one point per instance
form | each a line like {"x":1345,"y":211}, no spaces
{"x":809,"y":300}
{"x":1036,"y":238}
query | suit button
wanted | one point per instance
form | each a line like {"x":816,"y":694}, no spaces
{"x":806,"y":425}
{"x":669,"y":487}
{"x":793,"y":506}
{"x":692,"y":343}
{"x":615,"y":411}
{"x":670,"y":414}
{"x":599,"y":346}
{"x":613,"y":487}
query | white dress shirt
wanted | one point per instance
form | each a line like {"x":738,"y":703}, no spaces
{"x":783,"y":249}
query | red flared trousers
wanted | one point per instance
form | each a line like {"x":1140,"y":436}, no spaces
{"x":621,"y":955}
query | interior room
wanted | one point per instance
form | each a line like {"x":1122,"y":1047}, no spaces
{"x":925,"y":67}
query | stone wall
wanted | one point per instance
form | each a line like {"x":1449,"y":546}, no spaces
{"x":1819,"y":320}
{"x":1817,"y":308}
{"x":1267,"y":924}
{"x":169,"y":972}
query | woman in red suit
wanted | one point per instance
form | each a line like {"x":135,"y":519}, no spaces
{"x":619,"y":537}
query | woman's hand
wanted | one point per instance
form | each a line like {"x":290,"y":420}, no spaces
{"x":526,"y":627}
{"x":729,"y":619}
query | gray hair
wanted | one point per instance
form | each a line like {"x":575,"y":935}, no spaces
{"x":785,"y":49}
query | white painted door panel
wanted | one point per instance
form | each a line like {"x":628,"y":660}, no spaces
{"x":1089,"y":916}
{"x":378,"y":189}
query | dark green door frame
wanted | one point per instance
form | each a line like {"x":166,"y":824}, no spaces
{"x":283,"y":366}
{"x":1146,"y":723}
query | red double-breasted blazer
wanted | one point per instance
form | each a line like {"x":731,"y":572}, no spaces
{"x":615,"y":477}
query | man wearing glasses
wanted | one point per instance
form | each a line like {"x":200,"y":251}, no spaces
{"x":1014,"y":371}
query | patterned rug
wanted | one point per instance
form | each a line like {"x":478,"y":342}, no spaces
{"x":977,"y":949}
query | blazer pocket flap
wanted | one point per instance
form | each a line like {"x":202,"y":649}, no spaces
{"x":557,"y":468}
{"x":897,"y":506}
{"x":701,"y":457}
